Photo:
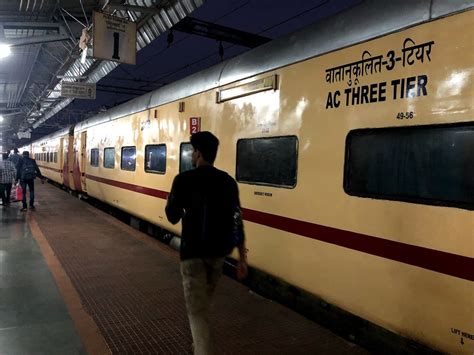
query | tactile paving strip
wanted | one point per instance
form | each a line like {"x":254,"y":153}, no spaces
{"x":133,"y":291}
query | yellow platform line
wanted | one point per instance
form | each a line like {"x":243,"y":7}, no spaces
{"x":86,"y":327}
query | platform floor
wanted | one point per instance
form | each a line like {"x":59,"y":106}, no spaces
{"x":122,"y":290}
{"x":33,"y":316}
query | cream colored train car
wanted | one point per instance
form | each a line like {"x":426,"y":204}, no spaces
{"x":352,"y":144}
{"x":48,"y":153}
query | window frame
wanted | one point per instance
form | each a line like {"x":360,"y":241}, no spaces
{"x":180,"y":150}
{"x":268,"y":184}
{"x":121,"y":158}
{"x":166,"y":158}
{"x":408,"y":199}
{"x":98,"y":157}
{"x":103,"y":163}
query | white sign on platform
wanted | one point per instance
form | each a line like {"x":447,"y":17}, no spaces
{"x":114,"y":38}
{"x":78,"y":90}
{"x":25,"y":134}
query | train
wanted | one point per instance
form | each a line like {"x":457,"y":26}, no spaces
{"x":352,"y":143}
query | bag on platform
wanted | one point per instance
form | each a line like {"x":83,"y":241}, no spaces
{"x":13,"y":193}
{"x":18,"y":193}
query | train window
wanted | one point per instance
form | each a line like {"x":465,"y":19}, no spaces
{"x":155,"y":158}
{"x":129,"y":158}
{"x":94,"y":157}
{"x":185,"y":157}
{"x":109,"y":158}
{"x":55,"y":157}
{"x":268,"y":161}
{"x":47,"y":157}
{"x":425,"y":164}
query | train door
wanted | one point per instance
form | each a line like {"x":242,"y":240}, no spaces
{"x":70,"y":160}
{"x":65,"y":161}
{"x":61,"y":159}
{"x":83,"y":160}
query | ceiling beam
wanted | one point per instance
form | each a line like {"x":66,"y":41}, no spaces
{"x":221,"y":33}
{"x":60,"y":34}
{"x":133,"y":8}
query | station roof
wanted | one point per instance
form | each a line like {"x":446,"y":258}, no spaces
{"x":44,"y":36}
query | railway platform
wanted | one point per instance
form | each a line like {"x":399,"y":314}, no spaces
{"x":74,"y":280}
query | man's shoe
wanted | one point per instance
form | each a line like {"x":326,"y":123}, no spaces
{"x":32,"y":208}
{"x":24,"y":209}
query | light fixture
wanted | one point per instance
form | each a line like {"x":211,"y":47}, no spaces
{"x":5,"y":50}
{"x":1,"y":118}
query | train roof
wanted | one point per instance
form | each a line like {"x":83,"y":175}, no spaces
{"x":62,"y":132}
{"x":368,"y":20}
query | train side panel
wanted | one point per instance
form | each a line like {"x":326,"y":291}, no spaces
{"x":326,"y":223}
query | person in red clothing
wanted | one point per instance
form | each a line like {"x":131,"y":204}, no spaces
{"x":207,"y":201}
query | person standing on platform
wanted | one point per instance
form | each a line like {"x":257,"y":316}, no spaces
{"x":7,"y":178}
{"x":207,"y":201}
{"x":27,"y":171}
{"x":15,"y":157}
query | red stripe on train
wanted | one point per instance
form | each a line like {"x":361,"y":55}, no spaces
{"x":434,"y":260}
{"x":131,"y":187}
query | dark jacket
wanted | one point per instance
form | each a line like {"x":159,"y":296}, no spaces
{"x":20,"y":169}
{"x":15,"y":159}
{"x":206,"y":199}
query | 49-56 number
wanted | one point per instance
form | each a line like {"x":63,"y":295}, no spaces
{"x":405,"y":115}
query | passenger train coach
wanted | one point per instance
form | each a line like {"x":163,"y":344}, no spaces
{"x":353,"y":145}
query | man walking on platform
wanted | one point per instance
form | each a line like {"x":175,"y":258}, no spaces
{"x":27,"y":171}
{"x":15,"y":157}
{"x":7,"y":178}
{"x":207,"y":201}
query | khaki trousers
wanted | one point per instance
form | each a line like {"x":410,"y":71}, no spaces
{"x":200,"y":278}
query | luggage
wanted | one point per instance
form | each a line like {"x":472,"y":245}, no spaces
{"x":13,"y":193}
{"x":18,"y":193}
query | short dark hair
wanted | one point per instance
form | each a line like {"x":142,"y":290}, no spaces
{"x":5,"y":156}
{"x":25,"y":153}
{"x":15,"y":150}
{"x":207,"y":144}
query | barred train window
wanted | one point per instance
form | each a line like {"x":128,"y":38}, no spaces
{"x":185,"y":157}
{"x":155,"y":158}
{"x":268,"y":161}
{"x":95,"y":157}
{"x":129,"y":158}
{"x":426,"y":164}
{"x":109,"y":158}
{"x":55,"y":157}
